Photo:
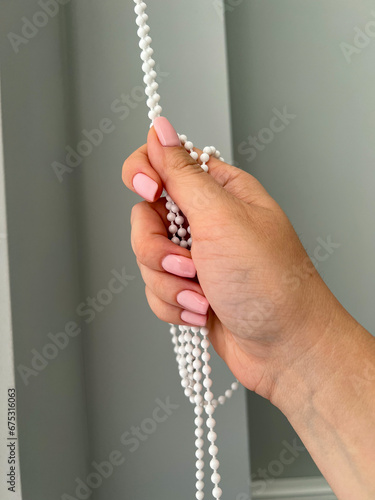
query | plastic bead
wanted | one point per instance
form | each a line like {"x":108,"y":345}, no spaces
{"x":197,"y":353}
{"x":206,"y":370}
{"x":199,"y":485}
{"x":217,"y":492}
{"x":188,"y":392}
{"x":198,"y":410}
{"x":207,"y":383}
{"x":206,"y":356}
{"x":211,"y":422}
{"x":214,"y":464}
{"x":211,"y":436}
{"x":198,"y":387}
{"x":158,"y":109}
{"x":209,"y":408}
{"x":215,"y":478}
{"x":212,"y":450}
{"x":208,"y":397}
{"x":199,"y":464}
{"x":205,"y":343}
{"x":199,"y":474}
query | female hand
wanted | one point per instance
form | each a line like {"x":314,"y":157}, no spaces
{"x":263,"y":290}
{"x":271,"y":318}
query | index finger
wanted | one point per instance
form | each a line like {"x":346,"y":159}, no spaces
{"x":139,"y":176}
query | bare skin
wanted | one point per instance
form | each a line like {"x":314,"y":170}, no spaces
{"x":272,"y":319}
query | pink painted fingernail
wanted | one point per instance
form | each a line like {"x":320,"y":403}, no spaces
{"x":181,"y":266}
{"x":193,"y":319}
{"x":145,"y":186}
{"x":193,"y":301}
{"x":166,"y":133}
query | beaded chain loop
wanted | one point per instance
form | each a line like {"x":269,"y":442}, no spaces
{"x":191,"y":343}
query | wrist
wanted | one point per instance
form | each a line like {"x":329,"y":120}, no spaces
{"x":328,"y":397}
{"x":334,"y":352}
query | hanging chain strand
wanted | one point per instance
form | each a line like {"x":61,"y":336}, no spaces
{"x":191,"y":349}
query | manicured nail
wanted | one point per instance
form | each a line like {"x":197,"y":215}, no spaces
{"x":193,"y":319}
{"x":193,"y":301}
{"x":145,"y":186}
{"x":181,"y":266}
{"x":166,"y":133}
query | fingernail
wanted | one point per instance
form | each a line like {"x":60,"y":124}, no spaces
{"x":193,"y":319}
{"x":145,"y":186}
{"x":166,"y":133}
{"x":181,"y":266}
{"x":193,"y":301}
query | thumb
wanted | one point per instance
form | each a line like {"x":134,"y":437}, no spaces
{"x":186,"y":182}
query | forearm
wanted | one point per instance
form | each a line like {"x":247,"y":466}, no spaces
{"x":329,"y":398}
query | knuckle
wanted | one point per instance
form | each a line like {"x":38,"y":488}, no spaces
{"x":183,"y":160}
{"x":145,"y":275}
{"x":132,"y":242}
{"x":160,"y":308}
{"x":124,"y":170}
{"x":133,"y":213}
{"x":141,"y":249}
{"x":154,"y":305}
{"x":136,"y":211}
{"x":126,"y":166}
{"x":133,"y":159}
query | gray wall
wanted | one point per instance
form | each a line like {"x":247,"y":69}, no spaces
{"x":44,"y":266}
{"x":320,"y":168}
{"x":67,"y":238}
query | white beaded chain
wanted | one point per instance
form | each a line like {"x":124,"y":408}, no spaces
{"x":191,"y":343}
